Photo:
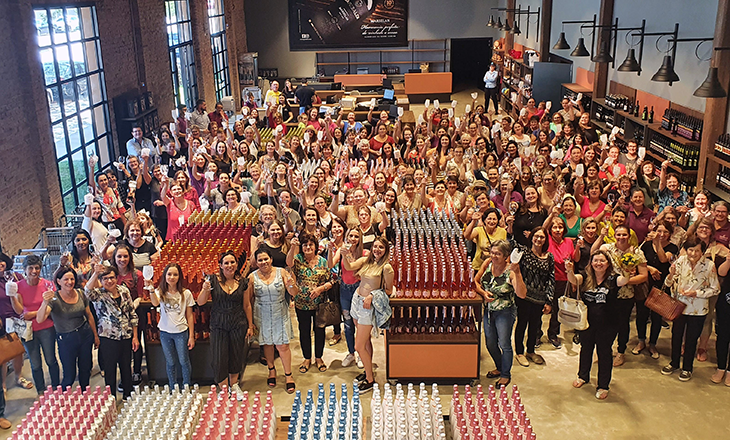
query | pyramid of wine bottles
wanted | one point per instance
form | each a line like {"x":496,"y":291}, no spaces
{"x":429,"y":256}
{"x":492,"y":416}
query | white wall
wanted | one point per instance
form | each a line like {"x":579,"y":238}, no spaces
{"x":268,"y":34}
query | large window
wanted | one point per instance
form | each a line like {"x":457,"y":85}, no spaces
{"x":70,"y":54}
{"x":217,"y":23}
{"x":182,"y":57}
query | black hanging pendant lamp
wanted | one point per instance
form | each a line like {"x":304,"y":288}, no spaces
{"x":490,"y":23}
{"x":603,"y":55}
{"x":500,"y":26}
{"x":711,"y":88}
{"x":516,"y":29}
{"x":630,"y":64}
{"x":666,"y":72}
{"x":562,"y":43}
{"x":506,"y":27}
{"x":580,"y":49}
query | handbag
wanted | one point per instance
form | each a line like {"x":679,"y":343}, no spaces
{"x":328,"y":311}
{"x":10,"y":347}
{"x":572,"y":312}
{"x":660,"y":302}
{"x":641,"y":291}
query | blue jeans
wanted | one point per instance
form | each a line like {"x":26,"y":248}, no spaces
{"x":175,"y":348}
{"x":75,"y":347}
{"x":43,"y":340}
{"x":498,"y":326}
{"x":346,"y":292}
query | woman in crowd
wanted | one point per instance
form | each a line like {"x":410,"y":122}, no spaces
{"x":693,"y":280}
{"x":484,"y":230}
{"x":530,"y":216}
{"x":722,"y":325}
{"x":349,"y":281}
{"x":628,"y":261}
{"x":7,"y":317}
{"x":231,"y":321}
{"x":143,"y":251}
{"x":175,"y":323}
{"x":592,"y":205}
{"x":74,"y":324}
{"x":112,"y":208}
{"x":598,"y":288}
{"x":376,"y":285}
{"x":93,"y":225}
{"x":659,"y":252}
{"x":179,"y":208}
{"x":26,"y":302}
{"x":314,"y":280}
{"x":268,"y":287}
{"x":129,"y":276}
{"x":150,"y":231}
{"x":116,"y":325}
{"x":80,"y":258}
{"x":274,"y":242}
{"x":537,"y":267}
{"x":562,"y":250}
{"x":498,"y":282}
{"x":640,"y":217}
{"x":567,"y":212}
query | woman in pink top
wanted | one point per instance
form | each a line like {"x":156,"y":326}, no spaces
{"x":349,"y":281}
{"x":26,"y":302}
{"x":591,"y":206}
{"x":562,"y":249}
{"x":179,"y":208}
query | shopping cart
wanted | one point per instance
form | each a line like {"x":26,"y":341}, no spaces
{"x":55,"y":241}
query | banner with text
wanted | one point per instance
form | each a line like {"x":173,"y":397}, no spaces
{"x":327,"y":24}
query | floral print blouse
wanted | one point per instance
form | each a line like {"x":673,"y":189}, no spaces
{"x":702,"y":279}
{"x":308,"y":278}
{"x":115,"y":317}
{"x":500,"y":288}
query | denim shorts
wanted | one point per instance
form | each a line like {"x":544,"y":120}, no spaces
{"x":359,"y":313}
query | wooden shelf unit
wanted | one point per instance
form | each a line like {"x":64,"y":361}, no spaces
{"x":635,"y":128}
{"x":333,"y":62}
{"x":571,"y":91}
{"x":430,"y":356}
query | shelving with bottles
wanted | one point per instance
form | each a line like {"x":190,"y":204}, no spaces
{"x":571,"y":91}
{"x":717,"y":179}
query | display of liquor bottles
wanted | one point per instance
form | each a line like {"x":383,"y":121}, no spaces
{"x":429,"y":256}
{"x":685,"y":156}
{"x":682,"y":124}
{"x":158,"y":413}
{"x":433,"y":319}
{"x":620,"y":102}
{"x":69,"y":414}
{"x":636,"y":109}
{"x":723,"y":179}
{"x":722,"y":147}
{"x":598,"y":114}
{"x":224,"y":416}
{"x":409,"y":414}
{"x":494,"y":415}
{"x":329,"y":417}
{"x":644,"y":114}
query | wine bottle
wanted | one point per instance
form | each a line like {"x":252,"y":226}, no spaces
{"x":432,"y":327}
{"x":421,"y":321}
{"x":636,"y":109}
{"x":651,"y":115}
{"x":645,"y":114}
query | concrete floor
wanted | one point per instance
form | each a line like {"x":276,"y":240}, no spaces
{"x":643,"y":404}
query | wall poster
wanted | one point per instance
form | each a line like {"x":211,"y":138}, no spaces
{"x":327,"y":24}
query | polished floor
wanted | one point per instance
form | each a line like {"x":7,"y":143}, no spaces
{"x":643,"y":404}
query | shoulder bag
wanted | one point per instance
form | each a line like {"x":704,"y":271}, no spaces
{"x":10,"y":347}
{"x":573,"y":312}
{"x":328,"y":311}
{"x":669,"y":308}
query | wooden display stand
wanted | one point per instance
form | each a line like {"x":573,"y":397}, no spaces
{"x":444,"y":358}
{"x":428,"y":84}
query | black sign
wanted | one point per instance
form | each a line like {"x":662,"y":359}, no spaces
{"x":326,"y":24}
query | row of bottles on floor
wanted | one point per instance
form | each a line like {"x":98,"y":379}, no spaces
{"x":685,"y":156}
{"x":201,"y":319}
{"x":433,"y":320}
{"x":683,"y":125}
{"x":429,"y":256}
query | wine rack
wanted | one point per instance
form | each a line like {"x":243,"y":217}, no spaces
{"x":434,"y":339}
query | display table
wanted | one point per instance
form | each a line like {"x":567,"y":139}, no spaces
{"x":355,"y":81}
{"x":436,"y":85}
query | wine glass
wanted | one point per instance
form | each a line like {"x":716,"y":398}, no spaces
{"x":9,"y":275}
{"x":611,"y":198}
{"x":148,"y":272}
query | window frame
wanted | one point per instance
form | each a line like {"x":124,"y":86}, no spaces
{"x":182,"y":52}
{"x":219,"y":48}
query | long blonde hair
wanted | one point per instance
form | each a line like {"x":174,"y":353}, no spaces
{"x":373,"y":267}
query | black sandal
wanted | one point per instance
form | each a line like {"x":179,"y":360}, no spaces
{"x":290,"y":386}
{"x":271,"y":381}
{"x":304,"y":368}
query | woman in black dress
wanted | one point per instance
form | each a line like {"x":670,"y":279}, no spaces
{"x":230,"y":316}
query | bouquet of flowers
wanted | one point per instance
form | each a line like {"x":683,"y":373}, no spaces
{"x":629,"y":261}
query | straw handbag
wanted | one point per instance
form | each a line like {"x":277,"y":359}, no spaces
{"x":662,"y":303}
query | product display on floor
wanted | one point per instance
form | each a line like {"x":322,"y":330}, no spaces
{"x":68,"y":414}
{"x":490,"y":416}
{"x":406,"y":415}
{"x":329,"y":418}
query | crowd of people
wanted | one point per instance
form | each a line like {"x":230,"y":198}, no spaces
{"x":590,"y":216}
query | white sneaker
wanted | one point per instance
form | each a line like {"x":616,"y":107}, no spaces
{"x":358,"y":361}
{"x":235,"y":389}
{"x":348,"y":360}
